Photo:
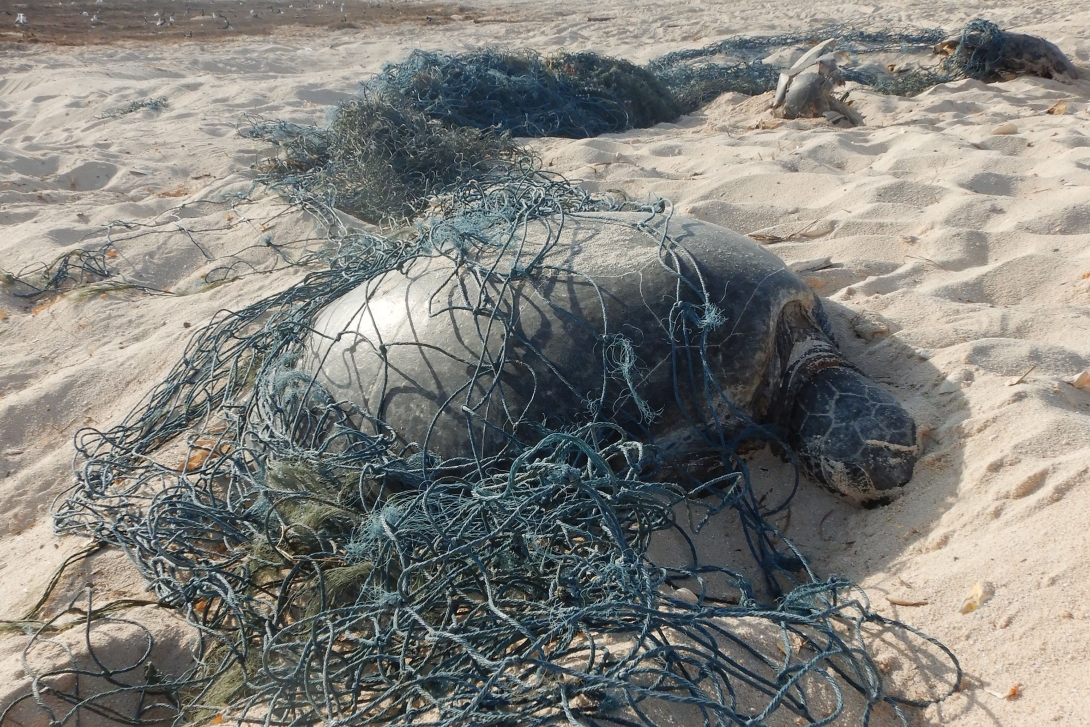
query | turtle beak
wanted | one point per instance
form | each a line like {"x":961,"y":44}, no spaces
{"x":887,"y":466}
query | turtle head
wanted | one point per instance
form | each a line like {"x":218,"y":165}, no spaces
{"x":852,"y":436}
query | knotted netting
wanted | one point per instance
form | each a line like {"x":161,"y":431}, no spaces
{"x":338,"y":574}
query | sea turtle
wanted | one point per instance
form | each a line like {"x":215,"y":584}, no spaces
{"x":805,"y":90}
{"x":989,"y":53}
{"x":686,"y":334}
{"x":811,"y":94}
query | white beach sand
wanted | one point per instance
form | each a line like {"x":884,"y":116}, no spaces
{"x":960,"y":260}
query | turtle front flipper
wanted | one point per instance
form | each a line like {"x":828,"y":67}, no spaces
{"x":851,"y":435}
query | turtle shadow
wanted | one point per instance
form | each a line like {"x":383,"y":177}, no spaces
{"x":858,"y":542}
{"x":839,"y":538}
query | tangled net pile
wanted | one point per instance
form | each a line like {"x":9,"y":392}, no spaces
{"x":155,"y":104}
{"x":337,"y":578}
{"x":425,"y":125}
{"x":379,"y":159}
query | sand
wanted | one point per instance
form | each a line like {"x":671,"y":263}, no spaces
{"x":956,"y":226}
{"x":88,"y":22}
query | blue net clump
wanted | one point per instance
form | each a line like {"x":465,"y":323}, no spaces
{"x":573,"y":95}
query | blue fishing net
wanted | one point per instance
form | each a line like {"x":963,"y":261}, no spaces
{"x":574,"y":95}
{"x":697,"y":76}
{"x":154,"y":104}
{"x":378,"y":159}
{"x":337,"y":575}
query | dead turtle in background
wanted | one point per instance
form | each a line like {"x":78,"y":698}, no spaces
{"x":685,"y":334}
{"x":987,"y":53}
{"x":806,"y":90}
